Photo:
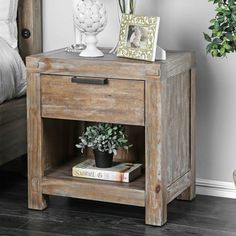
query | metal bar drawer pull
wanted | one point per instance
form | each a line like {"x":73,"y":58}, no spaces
{"x":84,"y":80}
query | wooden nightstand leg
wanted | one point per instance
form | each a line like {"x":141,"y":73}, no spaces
{"x":156,"y":206}
{"x":156,"y":197}
{"x":190,"y":193}
{"x":36,"y":200}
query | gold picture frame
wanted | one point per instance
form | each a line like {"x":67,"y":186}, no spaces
{"x":138,"y":37}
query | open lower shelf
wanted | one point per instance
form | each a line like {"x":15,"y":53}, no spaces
{"x":60,"y":182}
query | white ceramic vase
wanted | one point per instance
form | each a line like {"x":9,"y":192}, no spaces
{"x":90,"y":18}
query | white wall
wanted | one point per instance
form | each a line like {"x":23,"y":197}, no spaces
{"x":182,"y":24}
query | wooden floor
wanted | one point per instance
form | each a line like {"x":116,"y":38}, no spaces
{"x":205,"y":216}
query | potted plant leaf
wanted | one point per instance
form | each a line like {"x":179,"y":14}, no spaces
{"x":222,"y":39}
{"x":127,"y":6}
{"x":104,"y":139}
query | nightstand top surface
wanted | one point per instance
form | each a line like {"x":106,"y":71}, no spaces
{"x":59,"y":61}
{"x":62,"y":54}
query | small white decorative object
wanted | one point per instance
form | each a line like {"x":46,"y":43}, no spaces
{"x":91,"y":18}
{"x":78,"y":46}
{"x":160,"y":54}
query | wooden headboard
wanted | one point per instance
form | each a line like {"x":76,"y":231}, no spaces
{"x":29,"y":27}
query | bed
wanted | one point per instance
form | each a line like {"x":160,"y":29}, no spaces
{"x":13,"y":141}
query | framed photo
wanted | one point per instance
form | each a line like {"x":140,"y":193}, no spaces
{"x":138,"y":37}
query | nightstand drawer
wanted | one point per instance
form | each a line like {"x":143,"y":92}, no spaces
{"x":93,"y":99}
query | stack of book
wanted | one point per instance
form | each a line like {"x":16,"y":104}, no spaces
{"x":120,"y":172}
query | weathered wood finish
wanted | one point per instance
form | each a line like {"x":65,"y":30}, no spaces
{"x":12,"y":130}
{"x":136,"y":153}
{"x":156,"y":198}
{"x":59,"y":181}
{"x":176,"y":128}
{"x":58,"y":137}
{"x":159,"y":97}
{"x":59,"y":63}
{"x":13,"y":113}
{"x":190,"y":193}
{"x":179,"y":186}
{"x":36,"y":151}
{"x":29,"y":17}
{"x":123,"y":100}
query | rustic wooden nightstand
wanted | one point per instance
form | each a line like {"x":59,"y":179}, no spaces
{"x":158,"y":98}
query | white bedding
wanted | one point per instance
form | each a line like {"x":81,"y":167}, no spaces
{"x":8,"y":25}
{"x":12,"y":73}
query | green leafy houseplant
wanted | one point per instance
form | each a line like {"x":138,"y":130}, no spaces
{"x":104,"y":138}
{"x":223,"y":36}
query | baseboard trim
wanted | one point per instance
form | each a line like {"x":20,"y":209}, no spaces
{"x":216,"y":188}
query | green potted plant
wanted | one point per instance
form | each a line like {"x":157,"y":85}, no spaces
{"x":222,"y":39}
{"x":104,"y":139}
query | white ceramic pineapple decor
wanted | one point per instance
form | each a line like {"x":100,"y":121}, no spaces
{"x":91,"y":18}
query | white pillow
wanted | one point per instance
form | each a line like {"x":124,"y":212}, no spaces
{"x":8,"y":25}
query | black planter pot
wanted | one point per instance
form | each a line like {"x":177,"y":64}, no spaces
{"x":103,"y":159}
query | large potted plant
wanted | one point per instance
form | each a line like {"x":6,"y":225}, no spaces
{"x":104,"y":139}
{"x":222,"y":39}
